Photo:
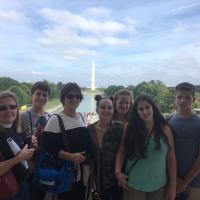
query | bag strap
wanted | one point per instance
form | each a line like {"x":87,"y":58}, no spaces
{"x":30,"y":119}
{"x":139,"y":156}
{"x":65,"y":137}
{"x":82,"y":118}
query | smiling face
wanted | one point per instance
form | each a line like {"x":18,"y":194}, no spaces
{"x":123,"y":104}
{"x":39,"y":98}
{"x":145,"y":111}
{"x":105,"y":109}
{"x":72,"y":100}
{"x":8,"y":110}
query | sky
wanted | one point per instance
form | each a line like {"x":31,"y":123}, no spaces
{"x":130,"y":41}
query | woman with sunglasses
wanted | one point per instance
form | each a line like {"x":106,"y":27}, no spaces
{"x":123,"y":102}
{"x":105,"y":135}
{"x":10,"y":130}
{"x":148,"y":144}
{"x":78,"y":138}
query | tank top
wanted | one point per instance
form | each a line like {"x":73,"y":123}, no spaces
{"x":149,"y":174}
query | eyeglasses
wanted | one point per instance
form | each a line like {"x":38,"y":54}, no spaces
{"x":104,"y":107}
{"x":72,"y":96}
{"x":11,"y":107}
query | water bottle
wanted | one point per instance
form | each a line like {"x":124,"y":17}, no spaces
{"x":15,"y":149}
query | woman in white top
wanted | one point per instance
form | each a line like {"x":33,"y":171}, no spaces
{"x":78,"y":138}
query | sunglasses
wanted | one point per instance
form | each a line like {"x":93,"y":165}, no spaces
{"x":11,"y":107}
{"x":104,"y":107}
{"x":72,"y":96}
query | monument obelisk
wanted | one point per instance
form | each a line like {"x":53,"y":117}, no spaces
{"x":93,"y":77}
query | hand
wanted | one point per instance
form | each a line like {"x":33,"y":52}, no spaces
{"x":25,"y":153}
{"x":171,"y":193}
{"x":78,"y":157}
{"x":180,"y":186}
{"x":34,"y":141}
{"x":122,"y":180}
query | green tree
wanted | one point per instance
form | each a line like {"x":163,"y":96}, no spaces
{"x":112,"y":89}
{"x":6,"y":83}
{"x":157,"y":91}
{"x":197,"y":101}
{"x":22,"y":96}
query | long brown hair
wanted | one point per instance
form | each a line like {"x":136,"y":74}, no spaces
{"x":17,"y":121}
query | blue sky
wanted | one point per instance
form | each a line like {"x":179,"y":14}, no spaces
{"x":130,"y":41}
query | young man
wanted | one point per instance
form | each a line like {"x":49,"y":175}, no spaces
{"x":33,"y":121}
{"x":186,"y":129}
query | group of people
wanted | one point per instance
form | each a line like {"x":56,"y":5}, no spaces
{"x":132,"y":152}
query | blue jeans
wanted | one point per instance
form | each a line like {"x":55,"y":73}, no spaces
{"x":23,"y":193}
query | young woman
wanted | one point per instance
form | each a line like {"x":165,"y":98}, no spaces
{"x":10,"y":128}
{"x":78,"y":138}
{"x":123,"y":102}
{"x":148,"y":143}
{"x":106,"y":135}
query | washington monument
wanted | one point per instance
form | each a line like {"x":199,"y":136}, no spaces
{"x":93,"y":77}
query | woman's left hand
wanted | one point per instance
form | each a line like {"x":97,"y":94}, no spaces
{"x":171,"y":193}
{"x":34,"y":141}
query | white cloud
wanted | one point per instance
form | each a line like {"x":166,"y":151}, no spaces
{"x":185,"y":7}
{"x":68,"y":31}
{"x":12,"y":16}
{"x":73,"y":54}
{"x":114,"y":41}
{"x":74,"y":21}
{"x":98,"y":11}
{"x":37,"y":73}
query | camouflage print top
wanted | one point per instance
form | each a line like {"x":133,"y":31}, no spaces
{"x":104,"y":156}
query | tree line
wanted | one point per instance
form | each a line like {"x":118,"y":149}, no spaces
{"x":162,"y":95}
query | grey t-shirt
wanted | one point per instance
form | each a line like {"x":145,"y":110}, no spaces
{"x":187,"y":143}
{"x":29,"y":121}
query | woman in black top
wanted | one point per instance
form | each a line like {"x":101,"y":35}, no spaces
{"x":105,"y":137}
{"x":10,"y":128}
{"x":78,"y":136}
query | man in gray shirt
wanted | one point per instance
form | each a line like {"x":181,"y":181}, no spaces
{"x":33,"y":122}
{"x":186,"y":129}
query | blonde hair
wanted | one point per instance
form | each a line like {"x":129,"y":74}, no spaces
{"x":17,"y":121}
{"x":116,"y":97}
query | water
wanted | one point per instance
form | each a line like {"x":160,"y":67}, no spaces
{"x":88,"y":104}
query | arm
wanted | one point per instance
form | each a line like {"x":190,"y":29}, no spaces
{"x":120,"y":158}
{"x":171,"y":165}
{"x":24,"y":154}
{"x":76,"y":158}
{"x":193,"y":172}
